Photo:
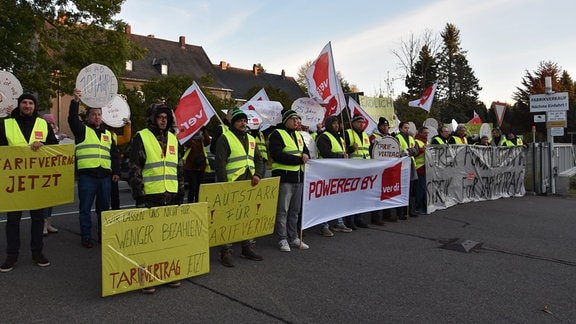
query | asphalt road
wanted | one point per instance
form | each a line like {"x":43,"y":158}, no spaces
{"x":524,"y":272}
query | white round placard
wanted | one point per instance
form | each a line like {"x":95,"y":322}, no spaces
{"x":115,"y":112}
{"x":10,"y":90}
{"x":98,"y":84}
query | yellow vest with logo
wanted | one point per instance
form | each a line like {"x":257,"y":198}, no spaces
{"x":261,"y":143}
{"x":419,"y":160}
{"x":337,"y":147}
{"x":160,"y":173}
{"x":290,"y":147}
{"x":16,"y":138}
{"x":239,"y":159}
{"x":363,"y":151}
{"x":403,"y":145}
{"x":94,"y":152}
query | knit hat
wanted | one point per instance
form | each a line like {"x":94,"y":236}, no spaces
{"x":383,"y":121}
{"x":288,"y":114}
{"x":28,"y":96}
{"x":357,"y":117}
{"x":49,"y":118}
{"x":238,"y":114}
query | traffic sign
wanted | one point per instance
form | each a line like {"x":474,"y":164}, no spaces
{"x":549,"y":102}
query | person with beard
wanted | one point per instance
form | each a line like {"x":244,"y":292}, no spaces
{"x":331,"y":146}
{"x":25,"y":128}
{"x":238,"y":158}
{"x":156,"y":169}
{"x":97,"y":158}
{"x":290,"y":154}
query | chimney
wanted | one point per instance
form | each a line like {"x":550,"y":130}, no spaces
{"x":151,"y":36}
{"x":223,"y":65}
{"x":255,"y":69}
{"x":182,"y":41}
{"x":128,"y":30}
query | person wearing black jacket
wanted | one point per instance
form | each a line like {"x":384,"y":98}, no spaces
{"x":97,"y":158}
{"x":18,"y":131}
{"x":290,"y":154}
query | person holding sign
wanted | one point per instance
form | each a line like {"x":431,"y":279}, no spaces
{"x":409,"y":148}
{"x":289,"y":153}
{"x":25,"y":128}
{"x":156,"y":169}
{"x":238,"y":158}
{"x":357,"y":147}
{"x":97,"y":158}
{"x":377,"y":216}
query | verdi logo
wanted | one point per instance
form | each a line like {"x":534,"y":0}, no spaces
{"x":391,"y":184}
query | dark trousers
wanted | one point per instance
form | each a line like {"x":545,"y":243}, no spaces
{"x":13,"y":232}
{"x":194,"y":179}
{"x":114,"y":195}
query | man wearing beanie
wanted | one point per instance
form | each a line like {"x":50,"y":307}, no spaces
{"x":289,"y":154}
{"x":238,"y":158}
{"x":97,"y":158}
{"x":25,"y":128}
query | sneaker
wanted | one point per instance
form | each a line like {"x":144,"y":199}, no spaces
{"x":342,"y":228}
{"x":299,"y":244}
{"x":175,"y":284}
{"x":149,"y":290}
{"x":283,"y":246}
{"x":41,"y":260}
{"x":326,"y":232}
{"x":8,"y":265}
{"x":87,"y":243}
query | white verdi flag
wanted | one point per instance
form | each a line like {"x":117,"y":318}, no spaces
{"x":370,"y":126}
{"x":192,"y":112}
{"x":259,"y":96}
{"x":323,"y":83}
{"x":340,"y":187}
{"x":426,"y":101}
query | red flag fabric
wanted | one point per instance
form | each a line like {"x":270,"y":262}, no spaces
{"x":323,"y":83}
{"x":355,"y":109}
{"x":476,"y":119}
{"x":192,"y":112}
{"x":426,"y":101}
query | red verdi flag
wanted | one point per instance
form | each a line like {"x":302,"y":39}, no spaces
{"x":426,"y":101}
{"x":323,"y":83}
{"x":192,"y":112}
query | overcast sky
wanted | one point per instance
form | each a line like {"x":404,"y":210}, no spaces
{"x":502,"y":38}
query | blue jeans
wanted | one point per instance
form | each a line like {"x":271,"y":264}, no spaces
{"x":288,"y":210}
{"x":88,"y":189}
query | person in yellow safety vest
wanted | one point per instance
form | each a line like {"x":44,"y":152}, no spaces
{"x":498,"y":139}
{"x":156,"y":170}
{"x":238,"y":158}
{"x":443,"y":136}
{"x":514,"y":140}
{"x":289,"y":152}
{"x":421,"y":140}
{"x":377,"y":216}
{"x":459,"y":136}
{"x":408,"y":148}
{"x":331,"y":145}
{"x":262,"y":147}
{"x":357,"y":147}
{"x":25,"y":128}
{"x":196,"y":162}
{"x":120,"y":139}
{"x":97,"y":159}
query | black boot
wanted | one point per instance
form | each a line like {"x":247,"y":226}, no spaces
{"x":226,"y":257}
{"x":248,"y":253}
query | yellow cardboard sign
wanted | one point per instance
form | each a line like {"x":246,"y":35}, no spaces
{"x":34,"y":180}
{"x":379,"y":107}
{"x":146,"y":247}
{"x":238,"y":211}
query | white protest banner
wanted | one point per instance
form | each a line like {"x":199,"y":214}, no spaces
{"x":340,"y":187}
{"x":10,"y":90}
{"x":458,"y":174}
{"x":116,"y":112}
{"x":310,"y":111}
{"x":98,"y":84}
{"x":270,"y":111}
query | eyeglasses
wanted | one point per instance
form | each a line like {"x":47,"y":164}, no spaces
{"x":162,"y":117}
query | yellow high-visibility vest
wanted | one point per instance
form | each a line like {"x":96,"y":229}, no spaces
{"x":239,"y":159}
{"x":363,"y":151}
{"x":94,"y":152}
{"x":16,"y":138}
{"x":160,"y":173}
{"x":290,"y":147}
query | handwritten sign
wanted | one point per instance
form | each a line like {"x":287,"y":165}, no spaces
{"x":310,"y":111}
{"x":115,"y":112}
{"x":146,"y":247}
{"x":98,"y":84}
{"x":238,"y":211}
{"x":10,"y":90}
{"x":379,"y":107}
{"x":385,"y":148}
{"x":34,"y":180}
